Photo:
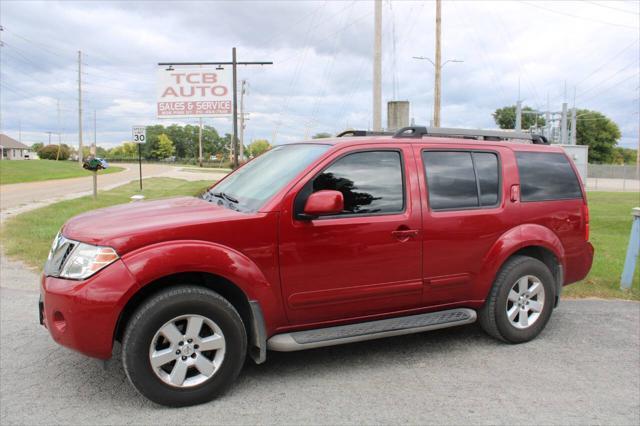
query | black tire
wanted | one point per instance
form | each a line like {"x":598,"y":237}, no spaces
{"x":157,"y":311}
{"x":493,"y":317}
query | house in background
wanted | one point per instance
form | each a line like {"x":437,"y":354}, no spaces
{"x":14,"y":150}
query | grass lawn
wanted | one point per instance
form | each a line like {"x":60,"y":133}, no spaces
{"x":610,"y":225}
{"x":28,"y":236}
{"x":36,"y":170}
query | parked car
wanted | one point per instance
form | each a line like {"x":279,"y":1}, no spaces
{"x":322,"y":243}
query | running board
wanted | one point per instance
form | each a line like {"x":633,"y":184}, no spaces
{"x":309,"y":339}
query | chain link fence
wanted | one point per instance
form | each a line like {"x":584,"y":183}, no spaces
{"x":613,"y":177}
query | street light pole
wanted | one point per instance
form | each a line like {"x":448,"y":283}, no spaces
{"x":437,"y":91}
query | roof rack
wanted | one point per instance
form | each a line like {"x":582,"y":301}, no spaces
{"x":478,"y":134}
{"x":363,"y":133}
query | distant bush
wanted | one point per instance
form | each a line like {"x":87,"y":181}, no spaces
{"x":50,"y":152}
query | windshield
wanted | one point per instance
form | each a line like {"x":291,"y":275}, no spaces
{"x":251,"y":186}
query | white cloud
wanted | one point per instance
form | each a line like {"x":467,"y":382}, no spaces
{"x":321,"y":77}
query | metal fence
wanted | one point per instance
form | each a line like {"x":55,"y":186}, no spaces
{"x":613,"y":177}
{"x":613,"y":171}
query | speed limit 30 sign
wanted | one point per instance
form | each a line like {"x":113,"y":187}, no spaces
{"x":139,"y":134}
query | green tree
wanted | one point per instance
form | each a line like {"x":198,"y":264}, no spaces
{"x":50,"y":152}
{"x":321,"y":135}
{"x":36,"y":146}
{"x":185,"y":140}
{"x":164,"y":149}
{"x":257,"y":147}
{"x":128,"y":150}
{"x":624,"y":155}
{"x":505,"y":118}
{"x":599,"y":132}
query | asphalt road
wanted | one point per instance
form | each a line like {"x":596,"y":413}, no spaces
{"x":584,"y":368}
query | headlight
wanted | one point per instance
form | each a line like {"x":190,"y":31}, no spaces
{"x":85,"y":260}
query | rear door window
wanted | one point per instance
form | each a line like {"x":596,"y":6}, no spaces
{"x":546,"y":176}
{"x":459,"y":180}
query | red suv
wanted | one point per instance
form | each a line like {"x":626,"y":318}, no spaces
{"x":322,"y":243}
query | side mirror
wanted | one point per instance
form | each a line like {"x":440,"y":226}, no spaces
{"x":323,"y":203}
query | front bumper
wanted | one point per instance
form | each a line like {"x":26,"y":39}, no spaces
{"x":82,"y":315}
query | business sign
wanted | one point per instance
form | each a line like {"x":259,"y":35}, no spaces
{"x":139,"y":134}
{"x":194,"y":92}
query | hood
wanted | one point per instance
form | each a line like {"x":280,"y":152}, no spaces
{"x":129,"y":226}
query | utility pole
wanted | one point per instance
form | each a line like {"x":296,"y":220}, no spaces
{"x":95,"y":137}
{"x":242,"y":125}
{"x":438,"y":66}
{"x":574,"y":128}
{"x":563,"y":124}
{"x":377,"y":66}
{"x":235,"y":108}
{"x":234,"y":63}
{"x":49,"y":137}
{"x":547,"y":119}
{"x":93,"y":152}
{"x":518,"y":110}
{"x":518,"y":115}
{"x":59,"y":128}
{"x":80,"y":107}
{"x":200,"y":143}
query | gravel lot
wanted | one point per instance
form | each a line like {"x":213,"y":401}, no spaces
{"x":584,"y":368}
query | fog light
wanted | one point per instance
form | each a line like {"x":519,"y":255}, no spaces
{"x":59,"y":322}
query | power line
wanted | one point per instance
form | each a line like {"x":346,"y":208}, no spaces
{"x":509,"y":36}
{"x":599,"y":84}
{"x":577,"y":16}
{"x":483,"y":52}
{"x":606,"y":63}
{"x":609,"y":88}
{"x":294,"y":79}
{"x":613,"y":8}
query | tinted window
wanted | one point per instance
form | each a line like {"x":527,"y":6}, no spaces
{"x":451,"y":180}
{"x":371,"y":182}
{"x":488,"y":178}
{"x":546,"y":176}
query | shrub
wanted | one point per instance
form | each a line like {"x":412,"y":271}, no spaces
{"x":50,"y":152}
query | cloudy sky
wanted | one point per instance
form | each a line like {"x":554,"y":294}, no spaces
{"x":585,"y":52}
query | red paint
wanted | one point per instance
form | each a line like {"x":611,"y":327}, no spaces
{"x":324,"y":203}
{"x":317,"y":272}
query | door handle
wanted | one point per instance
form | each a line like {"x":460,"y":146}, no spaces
{"x":405,"y":234}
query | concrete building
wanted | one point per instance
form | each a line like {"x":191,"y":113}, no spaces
{"x":13,"y":150}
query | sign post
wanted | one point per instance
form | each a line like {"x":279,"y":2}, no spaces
{"x":139,"y":137}
{"x":632,"y":251}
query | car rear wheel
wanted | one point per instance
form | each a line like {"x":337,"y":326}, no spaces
{"x":184,"y":346}
{"x":520,"y":302}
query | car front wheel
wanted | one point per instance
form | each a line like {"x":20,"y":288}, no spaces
{"x":184,"y":346}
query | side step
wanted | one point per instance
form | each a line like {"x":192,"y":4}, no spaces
{"x":359,"y":332}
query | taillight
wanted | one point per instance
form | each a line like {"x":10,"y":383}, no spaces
{"x":585,"y":215}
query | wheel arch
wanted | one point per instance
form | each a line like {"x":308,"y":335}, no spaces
{"x":531,"y":240}
{"x":549,"y":258}
{"x":249,"y":311}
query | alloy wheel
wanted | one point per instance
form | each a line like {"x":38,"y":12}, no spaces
{"x":525,"y":301}
{"x":187,"y":351}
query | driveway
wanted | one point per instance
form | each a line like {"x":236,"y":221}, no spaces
{"x":584,"y":368}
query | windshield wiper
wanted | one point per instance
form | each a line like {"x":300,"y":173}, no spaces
{"x":226,"y":197}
